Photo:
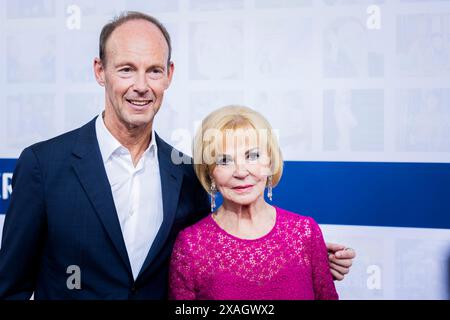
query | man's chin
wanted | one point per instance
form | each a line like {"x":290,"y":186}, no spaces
{"x":138,"y":121}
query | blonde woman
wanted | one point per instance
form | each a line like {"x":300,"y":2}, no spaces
{"x":247,"y":248}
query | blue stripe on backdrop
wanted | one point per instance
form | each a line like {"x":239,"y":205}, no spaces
{"x":357,"y":193}
{"x":368,"y":193}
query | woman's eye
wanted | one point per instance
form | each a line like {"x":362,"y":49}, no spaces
{"x":253,"y":156}
{"x":224,"y":160}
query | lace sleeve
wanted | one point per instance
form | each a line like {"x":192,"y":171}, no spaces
{"x":324,"y":288}
{"x":181,"y":274}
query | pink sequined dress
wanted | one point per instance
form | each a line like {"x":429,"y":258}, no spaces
{"x":289,"y":262}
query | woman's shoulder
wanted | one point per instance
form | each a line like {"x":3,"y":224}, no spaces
{"x":293,"y":216}
{"x":196,"y":231}
{"x":295,"y":221}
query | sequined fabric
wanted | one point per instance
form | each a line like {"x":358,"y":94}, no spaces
{"x":290,"y":262}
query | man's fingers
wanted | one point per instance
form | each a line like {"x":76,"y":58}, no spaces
{"x":336,"y":275}
{"x":340,"y":260}
{"x":347,"y":253}
{"x":333,"y":247}
{"x":346,"y":263}
{"x":338,"y":268}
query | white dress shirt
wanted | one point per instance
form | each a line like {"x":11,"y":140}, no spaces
{"x":136,"y":192}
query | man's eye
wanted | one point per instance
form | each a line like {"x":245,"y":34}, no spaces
{"x":156,"y":73}
{"x":125,"y":70}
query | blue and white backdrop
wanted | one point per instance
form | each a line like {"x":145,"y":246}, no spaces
{"x":359,"y":91}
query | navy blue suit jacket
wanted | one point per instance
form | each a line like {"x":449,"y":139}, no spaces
{"x":62,"y":213}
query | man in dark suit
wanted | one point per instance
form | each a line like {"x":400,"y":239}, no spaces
{"x":94,"y":212}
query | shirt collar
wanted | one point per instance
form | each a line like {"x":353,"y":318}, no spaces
{"x":109,"y":144}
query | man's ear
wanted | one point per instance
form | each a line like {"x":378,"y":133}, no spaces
{"x":170,"y":73}
{"x":99,"y":71}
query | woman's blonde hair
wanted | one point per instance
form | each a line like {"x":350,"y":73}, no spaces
{"x":232,"y":117}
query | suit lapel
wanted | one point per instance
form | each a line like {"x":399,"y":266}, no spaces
{"x":171,"y":181}
{"x":88,"y":166}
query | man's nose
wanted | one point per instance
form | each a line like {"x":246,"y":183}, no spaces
{"x":140,"y":83}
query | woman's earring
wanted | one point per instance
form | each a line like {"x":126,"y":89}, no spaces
{"x":213,"y":195}
{"x":269,"y":188}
